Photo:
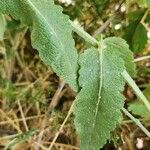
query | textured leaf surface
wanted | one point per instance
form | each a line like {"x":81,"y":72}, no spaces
{"x":2,"y":26}
{"x":51,"y":34}
{"x":100,"y":99}
{"x":122,"y":50}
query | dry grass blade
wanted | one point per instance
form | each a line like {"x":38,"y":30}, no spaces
{"x":61,"y":127}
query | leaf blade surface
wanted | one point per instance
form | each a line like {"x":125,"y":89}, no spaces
{"x":100,"y":112}
{"x":50,"y":35}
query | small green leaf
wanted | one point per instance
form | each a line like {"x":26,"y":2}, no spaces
{"x":129,"y":32}
{"x":2,"y":26}
{"x":51,"y":34}
{"x":136,"y":36}
{"x":98,"y":104}
{"x":140,"y":38}
{"x":135,"y":15}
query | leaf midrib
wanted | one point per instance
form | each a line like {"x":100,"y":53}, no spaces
{"x":32,"y":5}
{"x":100,"y":51}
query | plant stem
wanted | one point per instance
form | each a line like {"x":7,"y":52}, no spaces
{"x":137,"y":122}
{"x":136,"y":89}
{"x":87,"y":37}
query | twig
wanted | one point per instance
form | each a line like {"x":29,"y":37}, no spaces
{"x":40,"y":145}
{"x":18,"y":120}
{"x":63,"y":145}
{"x":23,"y":117}
{"x":137,"y":122}
{"x":53,"y":103}
{"x":104,"y":26}
{"x":9,"y":136}
{"x":40,"y":136}
{"x":25,"y":70}
{"x":142,"y":58}
{"x":55,"y":99}
{"x":10,"y":121}
{"x":60,"y":129}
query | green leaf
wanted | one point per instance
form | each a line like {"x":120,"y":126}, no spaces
{"x":138,"y":108}
{"x":135,"y":15}
{"x":140,"y":38}
{"x":123,"y":50}
{"x":2,"y":26}
{"x":129,"y":32}
{"x":136,"y":36}
{"x":51,"y":34}
{"x":97,"y":106}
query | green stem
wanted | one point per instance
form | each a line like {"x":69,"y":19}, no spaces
{"x":137,"y":122}
{"x":87,"y":37}
{"x":136,"y":89}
